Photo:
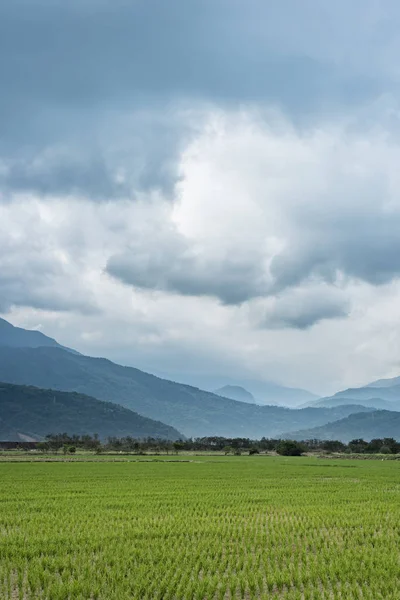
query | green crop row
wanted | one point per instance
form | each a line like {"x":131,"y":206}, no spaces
{"x":244,"y":528}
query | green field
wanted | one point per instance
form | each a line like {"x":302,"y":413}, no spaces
{"x":213,"y":528}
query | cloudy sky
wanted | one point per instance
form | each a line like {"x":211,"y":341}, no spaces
{"x":205,"y":186}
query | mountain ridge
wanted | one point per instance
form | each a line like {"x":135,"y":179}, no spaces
{"x":365,"y":425}
{"x":264,"y":392}
{"x":190,"y":410}
{"x":332,"y":401}
{"x":29,"y":411}
{"x":17,"y":337}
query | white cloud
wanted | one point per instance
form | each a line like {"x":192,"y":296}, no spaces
{"x":301,"y":226}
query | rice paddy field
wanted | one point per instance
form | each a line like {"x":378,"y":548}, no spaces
{"x":214,"y":528}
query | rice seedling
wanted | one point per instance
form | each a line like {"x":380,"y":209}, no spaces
{"x":214,"y":529}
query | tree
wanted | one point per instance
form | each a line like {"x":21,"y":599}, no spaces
{"x":392,"y":444}
{"x":358,"y":446}
{"x":333,"y":446}
{"x":290,"y":448}
{"x":178,"y":446}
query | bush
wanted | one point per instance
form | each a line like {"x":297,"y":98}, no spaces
{"x":253,"y":451}
{"x":289,"y":448}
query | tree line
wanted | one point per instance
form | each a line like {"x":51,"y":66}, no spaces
{"x":69,"y":444}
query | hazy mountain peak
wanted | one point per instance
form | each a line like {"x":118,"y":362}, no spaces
{"x":235,"y":392}
{"x":263,"y":392}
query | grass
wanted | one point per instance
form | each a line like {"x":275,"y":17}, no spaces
{"x":215,"y":528}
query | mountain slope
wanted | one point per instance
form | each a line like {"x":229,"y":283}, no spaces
{"x":35,"y":412}
{"x":267,"y":392}
{"x":16,"y":337}
{"x":188,"y":409}
{"x":376,"y":424}
{"x":264,"y":392}
{"x":391,"y":394}
{"x":333,"y":401}
{"x":235,"y":392}
{"x":387,"y":398}
{"x":381,"y":383}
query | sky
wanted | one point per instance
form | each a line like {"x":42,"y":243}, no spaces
{"x":205,"y":187}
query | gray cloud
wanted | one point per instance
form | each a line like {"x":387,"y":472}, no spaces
{"x":18,"y":292}
{"x":364,"y":245}
{"x":34,"y":286}
{"x":77,"y":55}
{"x":63,"y":175}
{"x":101,"y":99}
{"x":178,"y":268}
{"x":304,"y":307}
{"x":71,"y":72}
{"x":36,"y":272}
{"x":131,"y":153}
{"x":329,"y":213}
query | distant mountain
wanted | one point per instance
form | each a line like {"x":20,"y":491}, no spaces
{"x":235,"y":392}
{"x":264,"y":392}
{"x":267,"y":392}
{"x":381,"y":383}
{"x":390,"y":394}
{"x":189,"y":410}
{"x":376,"y":424}
{"x":32,"y":413}
{"x":334,"y":401}
{"x":379,"y":397}
{"x":16,"y":337}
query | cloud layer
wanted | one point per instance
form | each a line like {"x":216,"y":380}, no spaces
{"x":205,"y":186}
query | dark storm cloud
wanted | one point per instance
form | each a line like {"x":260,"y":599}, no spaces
{"x":85,"y":54}
{"x":303,"y":307}
{"x":63,"y":175}
{"x":70,"y":70}
{"x":232,"y":280}
{"x":364,"y":245}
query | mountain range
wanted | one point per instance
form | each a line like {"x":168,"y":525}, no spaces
{"x":29,"y":413}
{"x":365,"y":425}
{"x":263,"y":392}
{"x":386,"y":397}
{"x":28,"y":358}
{"x":190,"y":410}
{"x":334,"y":401}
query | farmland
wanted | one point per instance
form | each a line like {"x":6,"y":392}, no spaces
{"x":205,"y":528}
